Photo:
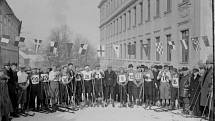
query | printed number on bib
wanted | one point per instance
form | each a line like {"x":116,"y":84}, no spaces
{"x":131,"y":76}
{"x":97,"y":75}
{"x":65,"y":79}
{"x":122,"y":78}
{"x":138,"y":76}
{"x":45,"y":77}
{"x":35,"y":79}
{"x":87,"y":77}
{"x":175,"y":82}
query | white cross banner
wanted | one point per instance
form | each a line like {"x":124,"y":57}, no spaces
{"x":116,"y":49}
{"x":101,"y":51}
{"x":83,"y":49}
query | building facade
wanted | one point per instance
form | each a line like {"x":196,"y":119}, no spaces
{"x":147,"y":22}
{"x":10,"y":26}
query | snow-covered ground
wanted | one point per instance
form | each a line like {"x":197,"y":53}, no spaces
{"x":109,"y":114}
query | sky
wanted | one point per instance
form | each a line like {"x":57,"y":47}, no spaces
{"x":39,"y":17}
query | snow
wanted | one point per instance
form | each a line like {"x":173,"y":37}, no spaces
{"x":108,"y":114}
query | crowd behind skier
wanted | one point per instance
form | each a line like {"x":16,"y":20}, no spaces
{"x":69,"y":88}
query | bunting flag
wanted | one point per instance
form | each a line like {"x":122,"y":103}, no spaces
{"x":53,"y":47}
{"x":206,"y":41}
{"x":159,"y":47}
{"x":101,"y":51}
{"x":69,"y":49}
{"x":196,"y":44}
{"x":171,"y":44}
{"x":116,"y":49}
{"x":83,"y":49}
{"x":146,"y":49}
{"x":18,"y":39}
{"x":5,"y":39}
{"x":131,"y":49}
{"x":184,"y":43}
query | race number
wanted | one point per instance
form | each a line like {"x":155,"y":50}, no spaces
{"x":138,"y":76}
{"x":131,"y":76}
{"x":175,"y":82}
{"x":45,"y":77}
{"x":65,"y":79}
{"x":35,"y":79}
{"x":87,"y":77}
{"x":122,"y":78}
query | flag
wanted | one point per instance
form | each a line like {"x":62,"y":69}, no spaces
{"x":101,"y":51}
{"x":184,"y":43}
{"x":131,"y":49}
{"x":146,"y":48}
{"x":5,"y":39}
{"x":18,"y":39}
{"x":55,"y":51}
{"x":159,"y":47}
{"x":116,"y":49}
{"x":52,"y":43}
{"x":40,"y":41}
{"x":196,"y":44}
{"x":206,"y":41}
{"x":69,"y":48}
{"x":171,"y":44}
{"x":52,"y":49}
{"x":35,"y":40}
{"x":56,"y":44}
{"x":83,"y":49}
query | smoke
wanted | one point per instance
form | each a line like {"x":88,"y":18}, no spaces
{"x":59,"y":11}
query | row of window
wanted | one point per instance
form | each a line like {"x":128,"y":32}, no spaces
{"x":130,"y":19}
{"x":147,"y":50}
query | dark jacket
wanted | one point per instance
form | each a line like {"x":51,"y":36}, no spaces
{"x":110,"y":79}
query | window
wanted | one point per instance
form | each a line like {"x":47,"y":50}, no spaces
{"x":134,"y":49}
{"x":141,"y":13}
{"x":135,"y":17}
{"x":149,"y":7}
{"x":129,"y":50}
{"x":121,"y":51}
{"x":157,"y":53}
{"x":124,"y":22}
{"x":157,"y":8}
{"x":149,"y":49}
{"x":117,"y":27}
{"x":185,"y":51}
{"x":169,"y":49}
{"x":169,"y":5}
{"x":120,"y":24}
{"x":141,"y":49}
{"x":125,"y":50}
{"x":129,"y":19}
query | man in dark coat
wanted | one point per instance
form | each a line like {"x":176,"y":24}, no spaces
{"x":195,"y":87}
{"x":12,"y":88}
{"x":109,"y":84}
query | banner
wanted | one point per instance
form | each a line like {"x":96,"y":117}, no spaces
{"x":116,"y":49}
{"x":196,"y":44}
{"x":83,"y":49}
{"x":101,"y":51}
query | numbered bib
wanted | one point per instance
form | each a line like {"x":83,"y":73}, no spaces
{"x":35,"y":79}
{"x":87,"y":76}
{"x":148,"y":79}
{"x":45,"y":77}
{"x":78,"y":77}
{"x":138,"y":76}
{"x":131,"y":77}
{"x":122,"y":78}
{"x":98,"y":75}
{"x":175,"y":82}
{"x":65,"y":79}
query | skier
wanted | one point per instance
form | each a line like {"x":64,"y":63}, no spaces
{"x":23,"y":83}
{"x":78,"y":87}
{"x":174,"y":84}
{"x":45,"y":94}
{"x":109,"y":84}
{"x":98,"y":75}
{"x":54,"y":87}
{"x":140,"y":85}
{"x":165,"y":77}
{"x":132,"y":88}
{"x":148,"y":86}
{"x":87,"y":77}
{"x":122,"y":81}
{"x":35,"y":90}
